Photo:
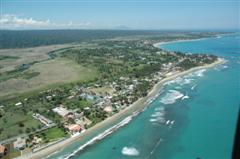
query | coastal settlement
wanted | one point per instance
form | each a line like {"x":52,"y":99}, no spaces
{"x":126,"y":71}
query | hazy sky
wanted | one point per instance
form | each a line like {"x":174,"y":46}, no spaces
{"x":114,"y":14}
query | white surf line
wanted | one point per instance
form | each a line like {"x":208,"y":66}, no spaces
{"x":100,"y":136}
{"x":95,"y":139}
{"x":104,"y":134}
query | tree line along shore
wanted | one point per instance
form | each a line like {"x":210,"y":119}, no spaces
{"x":122,"y":72}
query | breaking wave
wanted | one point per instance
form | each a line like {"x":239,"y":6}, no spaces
{"x":101,"y":136}
{"x":200,"y":72}
{"x":193,"y":87}
{"x":221,"y":67}
{"x":181,"y":81}
{"x":158,"y":115}
{"x":185,"y":97}
{"x":130,"y":151}
{"x":171,"y":97}
{"x":187,"y":79}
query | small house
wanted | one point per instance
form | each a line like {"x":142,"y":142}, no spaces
{"x":63,"y":112}
{"x":73,"y":128}
{"x":20,"y":143}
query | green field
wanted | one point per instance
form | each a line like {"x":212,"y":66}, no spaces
{"x":44,"y":74}
{"x":65,"y":70}
{"x":53,"y":134}
{"x":13,"y":124}
{"x":19,"y":80}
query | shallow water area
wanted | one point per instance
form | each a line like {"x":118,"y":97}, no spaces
{"x":195,"y":116}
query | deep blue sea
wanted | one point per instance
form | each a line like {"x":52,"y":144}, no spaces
{"x":195,"y":116}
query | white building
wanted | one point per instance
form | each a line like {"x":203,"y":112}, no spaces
{"x":20,"y":143}
{"x":61,"y":111}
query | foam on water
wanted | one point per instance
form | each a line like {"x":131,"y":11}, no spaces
{"x":159,"y":108}
{"x":168,"y":121}
{"x":130,"y":151}
{"x":177,"y":81}
{"x":178,"y":87}
{"x":225,"y":81}
{"x":200,"y":72}
{"x":101,"y":136}
{"x":225,"y":66}
{"x":171,"y":97}
{"x":187,"y":81}
{"x":181,"y":81}
{"x":158,"y":115}
{"x":188,"y":148}
{"x":193,"y":87}
{"x":185,"y":97}
{"x":153,"y":120}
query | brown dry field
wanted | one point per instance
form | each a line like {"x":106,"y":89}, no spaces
{"x":102,"y":90}
{"x":27,"y":55}
{"x":56,"y":71}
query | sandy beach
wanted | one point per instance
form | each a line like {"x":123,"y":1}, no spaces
{"x":176,"y":41}
{"x":187,"y":40}
{"x":137,"y":106}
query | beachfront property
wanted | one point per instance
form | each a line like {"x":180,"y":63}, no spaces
{"x":108,"y":109}
{"x":20,"y":143}
{"x":75,"y":114}
{"x":61,"y":110}
{"x":73,"y":128}
{"x":43,"y":119}
{"x":83,"y":121}
{"x":123,"y":79}
{"x":36,"y":140}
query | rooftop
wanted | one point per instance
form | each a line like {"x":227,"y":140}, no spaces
{"x":61,"y":111}
{"x":19,"y":143}
{"x":74,"y":127}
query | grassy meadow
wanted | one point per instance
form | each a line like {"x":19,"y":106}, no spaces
{"x":24,"y":70}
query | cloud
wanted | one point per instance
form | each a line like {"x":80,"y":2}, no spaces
{"x":74,"y":25}
{"x":12,"y":21}
{"x":8,"y":20}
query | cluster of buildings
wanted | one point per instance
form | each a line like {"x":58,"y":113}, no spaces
{"x":78,"y":120}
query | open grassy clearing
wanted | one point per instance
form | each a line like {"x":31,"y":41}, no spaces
{"x":17,"y":57}
{"x":102,"y":90}
{"x":23,"y":70}
{"x":13,"y":124}
{"x":53,"y":134}
{"x":46,"y":73}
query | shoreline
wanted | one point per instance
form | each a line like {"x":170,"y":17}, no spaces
{"x":136,"y":107}
{"x":131,"y":111}
{"x":158,"y":44}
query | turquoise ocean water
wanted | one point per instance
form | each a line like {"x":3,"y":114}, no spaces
{"x":195,"y":116}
